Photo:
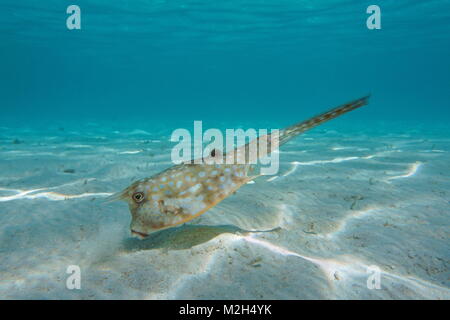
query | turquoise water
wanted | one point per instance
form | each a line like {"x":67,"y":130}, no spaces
{"x":84,"y":113}
{"x":160,"y":61}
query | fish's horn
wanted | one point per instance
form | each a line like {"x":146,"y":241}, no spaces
{"x":118,"y":196}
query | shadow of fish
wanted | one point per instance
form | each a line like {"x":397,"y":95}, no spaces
{"x":185,"y":191}
{"x":185,"y":237}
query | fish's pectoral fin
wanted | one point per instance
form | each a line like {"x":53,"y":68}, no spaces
{"x":169,"y":209}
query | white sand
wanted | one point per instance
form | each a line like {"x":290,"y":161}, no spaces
{"x":340,"y":204}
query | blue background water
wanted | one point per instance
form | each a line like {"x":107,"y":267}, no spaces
{"x":139,"y":69}
{"x":159,"y":62}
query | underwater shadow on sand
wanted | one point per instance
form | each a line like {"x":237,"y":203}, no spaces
{"x":184,"y":237}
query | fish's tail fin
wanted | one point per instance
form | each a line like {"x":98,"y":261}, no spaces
{"x":293,"y":131}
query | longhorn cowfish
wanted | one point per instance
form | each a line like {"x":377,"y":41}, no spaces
{"x":185,"y":191}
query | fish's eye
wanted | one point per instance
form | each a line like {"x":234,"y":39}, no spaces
{"x":138,"y":197}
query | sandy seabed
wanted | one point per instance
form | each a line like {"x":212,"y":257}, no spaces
{"x":342,"y":206}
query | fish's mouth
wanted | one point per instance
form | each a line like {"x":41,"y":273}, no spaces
{"x":140,"y":235}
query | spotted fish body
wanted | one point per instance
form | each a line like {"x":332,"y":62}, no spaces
{"x":185,"y":191}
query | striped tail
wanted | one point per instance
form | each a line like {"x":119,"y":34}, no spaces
{"x":266,"y":144}
{"x":293,"y":131}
